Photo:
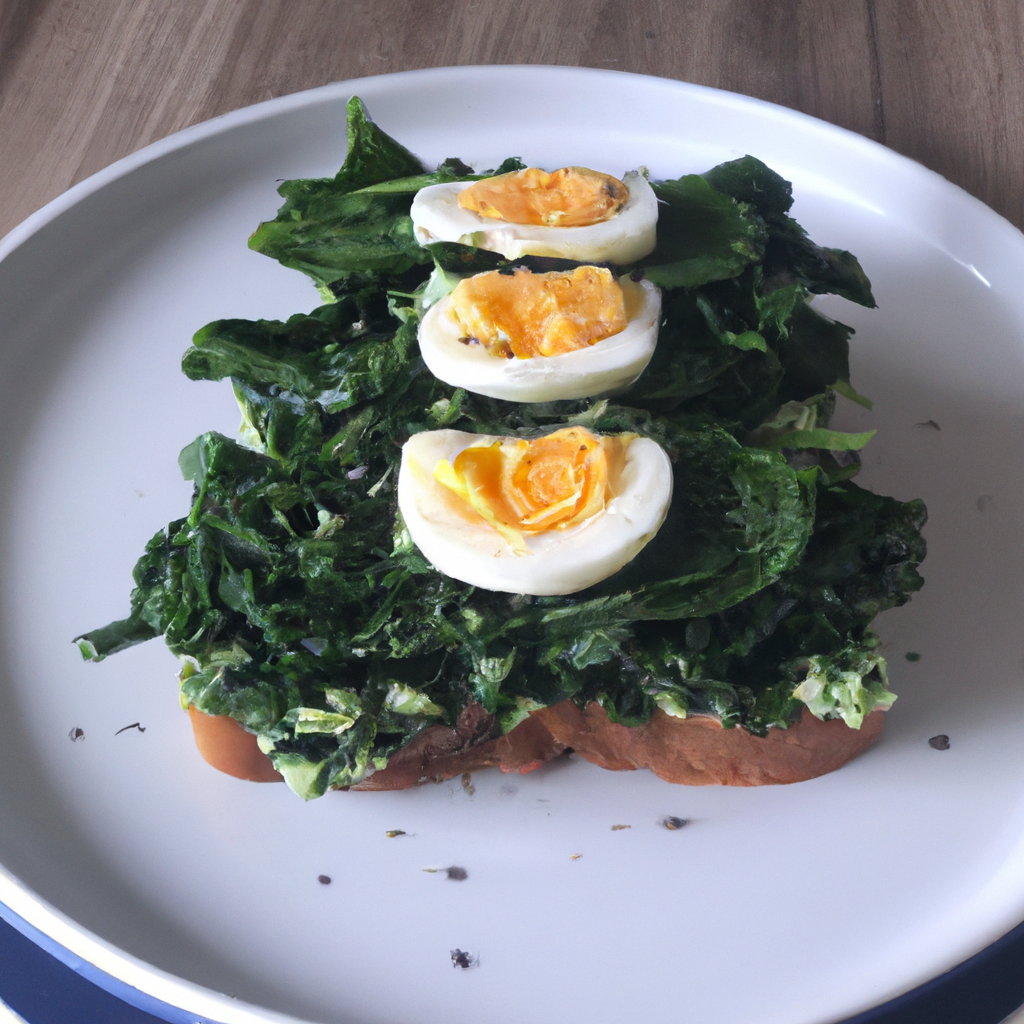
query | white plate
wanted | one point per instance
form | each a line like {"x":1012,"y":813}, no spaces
{"x":789,"y":905}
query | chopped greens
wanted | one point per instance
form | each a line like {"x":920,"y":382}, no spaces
{"x":298,"y":604}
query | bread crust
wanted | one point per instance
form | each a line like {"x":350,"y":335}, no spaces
{"x":436,"y":754}
{"x":698,"y":751}
{"x":440,"y":753}
{"x":695,"y":751}
{"x":227,"y":746}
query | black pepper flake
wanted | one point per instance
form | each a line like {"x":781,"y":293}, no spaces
{"x":134,"y":725}
{"x":940,"y":742}
{"x":929,"y":423}
{"x":76,"y":734}
{"x":456,"y":874}
{"x":912,"y":656}
{"x":673,"y":823}
{"x":462,"y":958}
{"x":324,"y":879}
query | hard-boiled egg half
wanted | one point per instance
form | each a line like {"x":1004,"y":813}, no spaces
{"x":573,"y":212}
{"x":548,"y":515}
{"x":528,"y":337}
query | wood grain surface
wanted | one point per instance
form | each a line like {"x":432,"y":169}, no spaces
{"x":84,"y":82}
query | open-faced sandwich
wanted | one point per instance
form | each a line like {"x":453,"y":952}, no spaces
{"x":549,"y":468}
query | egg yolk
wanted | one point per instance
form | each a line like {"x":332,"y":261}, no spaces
{"x":567,"y":198}
{"x":524,"y":487}
{"x":524,"y":314}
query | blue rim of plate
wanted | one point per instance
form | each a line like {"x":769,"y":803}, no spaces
{"x":982,"y":990}
{"x":90,"y":972}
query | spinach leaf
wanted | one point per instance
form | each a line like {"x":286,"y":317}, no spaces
{"x":704,"y":235}
{"x":790,"y":256}
{"x":336,"y":228}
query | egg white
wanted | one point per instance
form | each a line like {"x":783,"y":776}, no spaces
{"x":461,"y":544}
{"x":608,"y":365}
{"x":627,"y":236}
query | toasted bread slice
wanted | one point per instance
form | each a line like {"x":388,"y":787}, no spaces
{"x":695,"y":751}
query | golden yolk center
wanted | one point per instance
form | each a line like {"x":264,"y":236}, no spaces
{"x":528,"y":487}
{"x":566,"y":198}
{"x":525,"y":314}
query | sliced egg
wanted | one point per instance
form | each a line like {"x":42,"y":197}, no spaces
{"x":584,"y":216}
{"x":530,"y":337}
{"x":550,"y":515}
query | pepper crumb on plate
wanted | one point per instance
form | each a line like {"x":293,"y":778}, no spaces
{"x":462,"y":958}
{"x":673,"y":823}
{"x":940,"y":742}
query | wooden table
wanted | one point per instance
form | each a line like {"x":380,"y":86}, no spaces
{"x":84,"y":82}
